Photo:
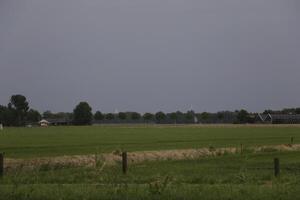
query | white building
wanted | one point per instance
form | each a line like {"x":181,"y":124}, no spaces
{"x":44,"y":123}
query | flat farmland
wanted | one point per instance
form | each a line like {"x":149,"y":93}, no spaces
{"x":31,"y":170}
{"x":81,"y":140}
{"x":242,"y":177}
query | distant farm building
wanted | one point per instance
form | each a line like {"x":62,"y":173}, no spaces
{"x":44,"y":123}
{"x":54,"y":122}
{"x":59,"y":122}
{"x":278,"y":118}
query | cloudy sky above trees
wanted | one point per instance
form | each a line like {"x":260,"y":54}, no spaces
{"x":153,"y":55}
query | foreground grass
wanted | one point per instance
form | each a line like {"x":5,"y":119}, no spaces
{"x":207,"y":192}
{"x":249,"y":176}
{"x":54,"y":141}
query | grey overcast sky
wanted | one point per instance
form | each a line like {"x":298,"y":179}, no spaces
{"x":150,"y":55}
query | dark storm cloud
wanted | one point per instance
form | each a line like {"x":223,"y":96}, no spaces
{"x":151,"y":55}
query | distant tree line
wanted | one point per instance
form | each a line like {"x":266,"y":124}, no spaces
{"x":292,"y":111}
{"x":18,"y":113}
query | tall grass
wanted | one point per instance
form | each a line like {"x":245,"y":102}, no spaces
{"x":247,"y":176}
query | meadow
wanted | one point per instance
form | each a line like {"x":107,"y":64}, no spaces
{"x":222,"y":177}
{"x":55,"y":141}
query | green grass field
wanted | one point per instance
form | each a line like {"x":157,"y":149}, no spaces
{"x":216,"y":178}
{"x":54,"y":141}
{"x":228,"y":177}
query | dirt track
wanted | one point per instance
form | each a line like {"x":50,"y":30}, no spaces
{"x":136,"y":157}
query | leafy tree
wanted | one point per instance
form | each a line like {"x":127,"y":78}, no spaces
{"x":82,"y":114}
{"x":2,"y":114}
{"x":273,"y":112}
{"x":98,"y":116}
{"x":33,"y":116}
{"x":20,"y":105}
{"x":60,"y":115}
{"x":190,"y":115}
{"x":297,"y":111}
{"x":109,"y":116}
{"x":226,"y":117}
{"x":205,"y":116}
{"x":288,"y":111}
{"x":63,"y":115}
{"x":180,"y":116}
{"x":122,"y":115}
{"x":160,"y":116}
{"x":148,"y":116}
{"x":243,"y":116}
{"x":173,"y":117}
{"x":220,"y":116}
{"x":47,"y":114}
{"x":8,"y":116}
{"x":135,"y":116}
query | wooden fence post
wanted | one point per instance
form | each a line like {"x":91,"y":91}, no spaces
{"x":1,"y":164}
{"x":124,"y":162}
{"x":276,"y":167}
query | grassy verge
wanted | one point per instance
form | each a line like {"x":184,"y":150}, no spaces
{"x":249,"y":176}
